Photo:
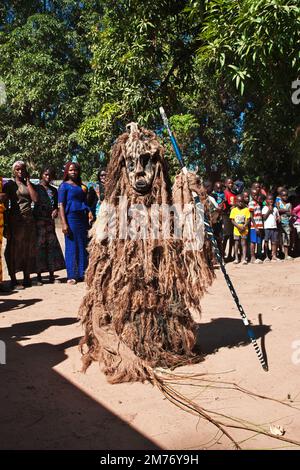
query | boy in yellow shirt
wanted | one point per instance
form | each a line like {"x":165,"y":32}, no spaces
{"x":240,"y":218}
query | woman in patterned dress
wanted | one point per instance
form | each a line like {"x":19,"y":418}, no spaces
{"x":49,"y":254}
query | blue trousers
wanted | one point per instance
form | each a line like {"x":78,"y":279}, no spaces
{"x":75,"y":245}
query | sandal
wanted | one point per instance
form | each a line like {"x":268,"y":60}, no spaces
{"x":15,"y":286}
{"x":71,"y":281}
{"x":38,"y":281}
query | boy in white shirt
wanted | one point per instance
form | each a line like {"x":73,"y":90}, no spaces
{"x":271,"y":220}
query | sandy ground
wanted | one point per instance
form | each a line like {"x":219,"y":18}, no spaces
{"x":47,"y":403}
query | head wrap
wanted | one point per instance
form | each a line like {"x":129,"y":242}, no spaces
{"x":18,"y":163}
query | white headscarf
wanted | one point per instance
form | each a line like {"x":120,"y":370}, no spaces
{"x":18,"y":163}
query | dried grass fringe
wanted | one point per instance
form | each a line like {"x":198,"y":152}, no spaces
{"x":142,"y":294}
{"x":167,"y":382}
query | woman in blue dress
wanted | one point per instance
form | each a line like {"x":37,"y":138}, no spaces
{"x":75,"y":215}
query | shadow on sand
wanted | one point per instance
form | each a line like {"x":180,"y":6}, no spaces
{"x":228,"y":333}
{"x":40,"y":409}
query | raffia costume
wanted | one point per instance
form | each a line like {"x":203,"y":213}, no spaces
{"x":142,"y":293}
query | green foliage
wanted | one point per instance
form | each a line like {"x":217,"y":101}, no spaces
{"x":44,"y":71}
{"x":77,"y":72}
{"x":255,"y":45}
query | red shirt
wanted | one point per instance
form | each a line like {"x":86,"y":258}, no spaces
{"x":230,"y":198}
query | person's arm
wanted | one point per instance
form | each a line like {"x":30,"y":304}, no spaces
{"x":248,"y":219}
{"x":276,"y":215}
{"x":221,"y":207}
{"x":54,"y":213}
{"x":32,"y":192}
{"x":239,"y":227}
{"x":289,"y":210}
{"x":218,"y":207}
{"x":284,"y":211}
{"x":232,"y":201}
{"x":62,"y":196}
{"x":55,"y":205}
{"x":251,"y":210}
{"x":65,"y":227}
{"x":232,"y":216}
{"x":266,"y":214}
{"x":253,"y":222}
{"x":246,"y":224}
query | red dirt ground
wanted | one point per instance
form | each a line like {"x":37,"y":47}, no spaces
{"x":47,"y":403}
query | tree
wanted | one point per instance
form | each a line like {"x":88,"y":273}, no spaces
{"x":44,"y":67}
{"x":255,"y":45}
{"x":144,"y":56}
{"x":76,"y":72}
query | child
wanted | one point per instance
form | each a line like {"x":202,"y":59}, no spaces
{"x":215,"y":209}
{"x":285,"y":210}
{"x":246,"y":197}
{"x":227,"y":225}
{"x":278,"y":196}
{"x":256,"y":227}
{"x":218,"y":194}
{"x":271,"y":219}
{"x":240,"y":217}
